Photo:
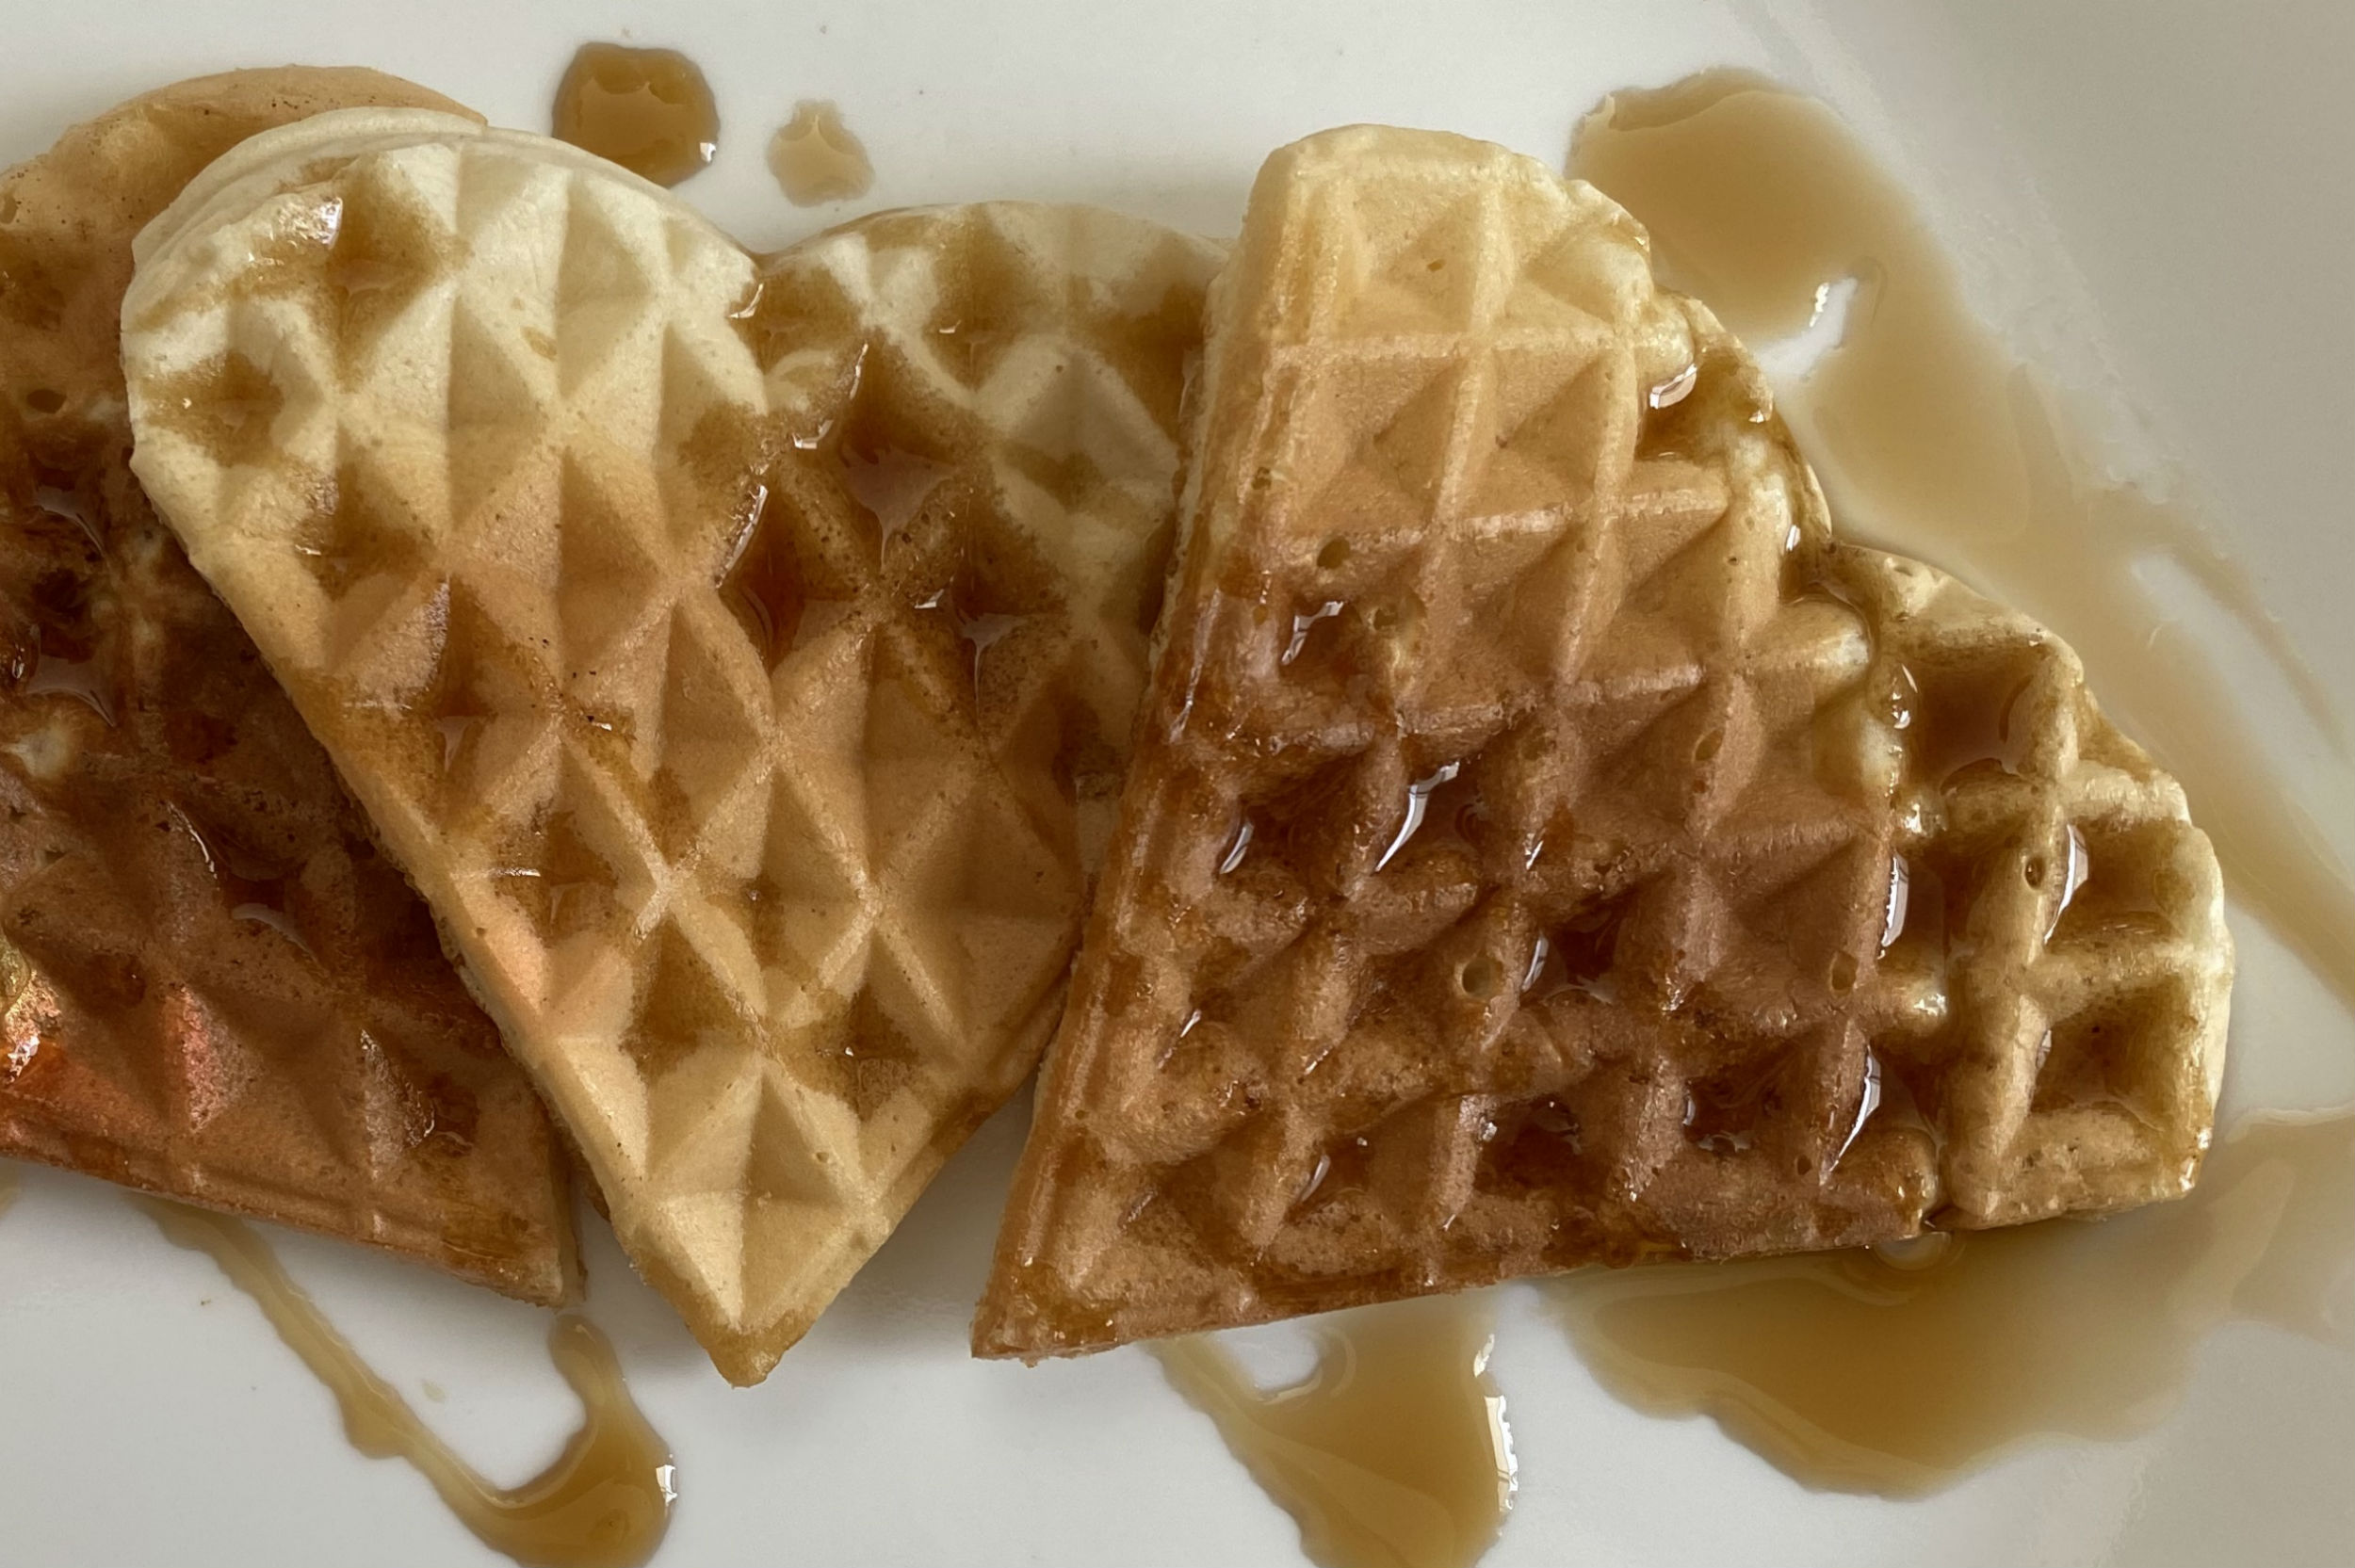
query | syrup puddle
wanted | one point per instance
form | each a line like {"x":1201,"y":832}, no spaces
{"x":605,"y":1501}
{"x":1392,"y":1453}
{"x":7,"y":1189}
{"x":1931,"y":437}
{"x":649,"y":110}
{"x":1898,"y":1371}
{"x":816,"y":159}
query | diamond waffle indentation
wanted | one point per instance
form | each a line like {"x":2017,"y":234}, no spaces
{"x":607,"y":292}
{"x":1518,"y":864}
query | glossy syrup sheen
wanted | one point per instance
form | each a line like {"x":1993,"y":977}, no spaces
{"x":1931,"y":437}
{"x":603,"y":1503}
{"x":1897,"y":1370}
{"x":1392,"y":1453}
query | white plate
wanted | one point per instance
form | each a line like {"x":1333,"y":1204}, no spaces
{"x":2165,"y":194}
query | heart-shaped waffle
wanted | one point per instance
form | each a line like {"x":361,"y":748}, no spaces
{"x":1548,"y":845}
{"x":739,"y":657}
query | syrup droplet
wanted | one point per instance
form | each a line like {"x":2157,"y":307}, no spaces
{"x":1900,"y":895}
{"x":85,"y":680}
{"x":1239,"y":846}
{"x":1417,"y":806}
{"x":816,"y":159}
{"x":1868,"y":1102}
{"x":1674,"y":389}
{"x":1393,"y":1450}
{"x":606,"y":1499}
{"x":2073,"y":879}
{"x":1538,"y":954}
{"x":892,"y":484}
{"x":1898,"y":1370}
{"x":1931,"y":437}
{"x":649,"y":110}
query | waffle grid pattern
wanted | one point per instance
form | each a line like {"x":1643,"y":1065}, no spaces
{"x":693,"y":657}
{"x":1507,"y":871}
{"x":2061,"y":920}
{"x":216,"y":988}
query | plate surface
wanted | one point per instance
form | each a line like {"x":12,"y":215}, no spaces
{"x":2159,"y":202}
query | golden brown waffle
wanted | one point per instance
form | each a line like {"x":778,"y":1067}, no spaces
{"x":1547,"y":844}
{"x":214,"y":987}
{"x":737,"y":657}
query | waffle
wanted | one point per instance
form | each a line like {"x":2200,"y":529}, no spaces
{"x":1547,"y":844}
{"x":738,"y":657}
{"x":214,"y":988}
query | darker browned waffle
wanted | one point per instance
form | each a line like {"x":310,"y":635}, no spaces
{"x":1547,"y":844}
{"x":216,"y":988}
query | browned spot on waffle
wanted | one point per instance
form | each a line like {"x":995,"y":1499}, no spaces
{"x":868,"y":1062}
{"x":227,"y":406}
{"x":1547,"y":844}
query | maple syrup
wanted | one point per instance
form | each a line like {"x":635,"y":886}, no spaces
{"x":762,"y":583}
{"x":816,"y":159}
{"x":1899,"y":1369}
{"x":649,"y":110}
{"x":1394,"y":1450}
{"x":891,"y":483}
{"x":606,"y":1499}
{"x":7,"y":1188}
{"x":1930,"y":436}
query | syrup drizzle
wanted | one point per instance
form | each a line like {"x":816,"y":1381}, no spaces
{"x":1930,"y":435}
{"x":1392,"y":1453}
{"x":603,"y":1503}
{"x":1898,"y":1370}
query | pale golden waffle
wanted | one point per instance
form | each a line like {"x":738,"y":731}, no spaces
{"x":1548,"y":845}
{"x":997,"y":386}
{"x":214,"y":987}
{"x":738,"y":658}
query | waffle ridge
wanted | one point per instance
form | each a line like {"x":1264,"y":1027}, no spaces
{"x":216,"y":988}
{"x":739,"y":657}
{"x":1548,"y":845}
